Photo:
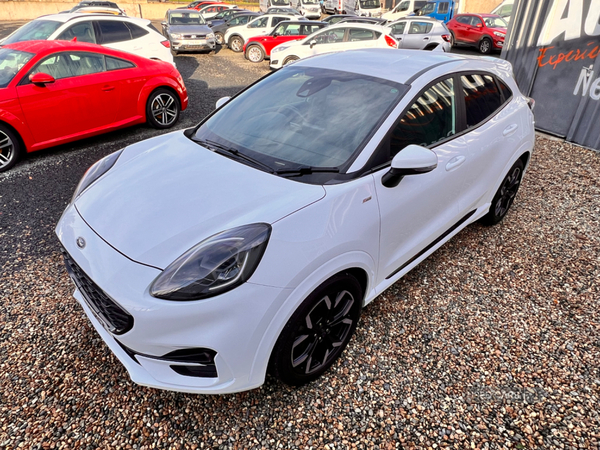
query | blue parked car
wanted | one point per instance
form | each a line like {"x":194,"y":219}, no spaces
{"x":442,"y":10}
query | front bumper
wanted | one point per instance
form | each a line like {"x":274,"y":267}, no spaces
{"x":231,"y":326}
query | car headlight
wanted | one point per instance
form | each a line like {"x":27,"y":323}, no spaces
{"x":497,"y":33}
{"x":216,"y":265}
{"x":210,"y":36}
{"x":98,"y":169}
{"x":280,"y":48}
{"x":175,"y":36}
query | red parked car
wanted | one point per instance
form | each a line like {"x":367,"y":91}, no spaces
{"x":484,"y":31}
{"x":53,"y":92}
{"x":258,"y":48}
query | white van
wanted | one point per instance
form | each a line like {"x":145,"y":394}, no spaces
{"x":266,"y":4}
{"x":504,"y":9}
{"x":403,"y":9}
{"x":368,"y":8}
{"x":311,"y":9}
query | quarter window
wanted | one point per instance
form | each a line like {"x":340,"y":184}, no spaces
{"x":136,"y":32}
{"x":116,"y":64}
{"x":430,"y":119}
{"x":276,"y":20}
{"x":482,"y":97}
{"x":113,"y":31}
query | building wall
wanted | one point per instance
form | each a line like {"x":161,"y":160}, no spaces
{"x":477,"y":6}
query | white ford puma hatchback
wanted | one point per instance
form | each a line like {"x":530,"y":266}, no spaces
{"x":250,"y":243}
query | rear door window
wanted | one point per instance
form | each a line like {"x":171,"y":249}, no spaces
{"x":420,"y":27}
{"x":260,"y":23}
{"x":83,"y":31}
{"x":482,"y":97}
{"x":114,"y":31}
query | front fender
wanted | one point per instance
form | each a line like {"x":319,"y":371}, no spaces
{"x":17,"y":123}
{"x":155,"y":83}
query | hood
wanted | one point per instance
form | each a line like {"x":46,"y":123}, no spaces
{"x":498,"y":29}
{"x":166,"y":194}
{"x":190,"y":29}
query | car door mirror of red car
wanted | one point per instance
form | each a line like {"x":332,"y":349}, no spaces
{"x":479,"y":25}
{"x":222,"y":101}
{"x":411,"y":160}
{"x":41,"y":79}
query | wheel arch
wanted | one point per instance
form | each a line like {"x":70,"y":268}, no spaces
{"x":151,"y":86}
{"x":17,"y":134}
{"x":358,"y":264}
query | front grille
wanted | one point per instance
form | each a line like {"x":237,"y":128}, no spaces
{"x":114,"y":318}
{"x":194,"y":36}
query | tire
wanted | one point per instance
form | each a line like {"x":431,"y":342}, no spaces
{"x":505,"y":195}
{"x":318,"y":331}
{"x":219,"y":38}
{"x":485,"y":46}
{"x":452,"y":40}
{"x":162,"y":109}
{"x":255,"y":53}
{"x":10,"y":148}
{"x":290,"y":59}
{"x":236,"y":44}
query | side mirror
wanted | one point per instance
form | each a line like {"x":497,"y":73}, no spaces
{"x":479,"y":25}
{"x":412,"y":160}
{"x":222,"y":101}
{"x":41,"y":79}
{"x":164,"y":24}
{"x":313,"y":43}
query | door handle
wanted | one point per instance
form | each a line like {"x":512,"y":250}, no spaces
{"x":425,"y":38}
{"x":455,"y":162}
{"x":510,"y":129}
{"x":108,"y":88}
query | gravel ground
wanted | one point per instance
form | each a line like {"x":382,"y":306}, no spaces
{"x":493,"y":342}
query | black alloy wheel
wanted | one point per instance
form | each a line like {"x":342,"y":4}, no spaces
{"x":10,"y":148}
{"x":505,"y":195}
{"x":318,"y":331}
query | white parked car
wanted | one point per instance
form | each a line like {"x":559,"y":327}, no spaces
{"x":403,"y":9}
{"x":206,"y":257}
{"x":236,"y":37}
{"x":335,"y":38}
{"x":128,"y":34}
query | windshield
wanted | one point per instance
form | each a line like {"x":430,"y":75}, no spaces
{"x":369,"y":4}
{"x":427,"y":9}
{"x":185,"y":18}
{"x":33,"y":31}
{"x":304,"y":116}
{"x":280,"y":2}
{"x":495,"y":22}
{"x":310,"y":2}
{"x":11,"y":61}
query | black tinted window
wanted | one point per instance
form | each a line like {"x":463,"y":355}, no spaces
{"x":482,"y":97}
{"x":136,"y":32}
{"x":443,"y":8}
{"x":113,"y":31}
{"x":430,"y":119}
{"x":115,"y":63}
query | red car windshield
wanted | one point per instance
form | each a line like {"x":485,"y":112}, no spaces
{"x":11,"y":61}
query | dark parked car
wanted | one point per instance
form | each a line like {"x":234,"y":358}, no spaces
{"x":240,"y":19}
{"x":224,"y":16}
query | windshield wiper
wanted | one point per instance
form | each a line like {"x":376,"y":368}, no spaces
{"x":306,"y":170}
{"x":226,"y":151}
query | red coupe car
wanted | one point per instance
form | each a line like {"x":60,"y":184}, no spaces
{"x":484,"y":31}
{"x":53,"y":92}
{"x":257,"y":48}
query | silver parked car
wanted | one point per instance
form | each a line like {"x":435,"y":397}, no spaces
{"x":421,"y":33}
{"x":187,"y":30}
